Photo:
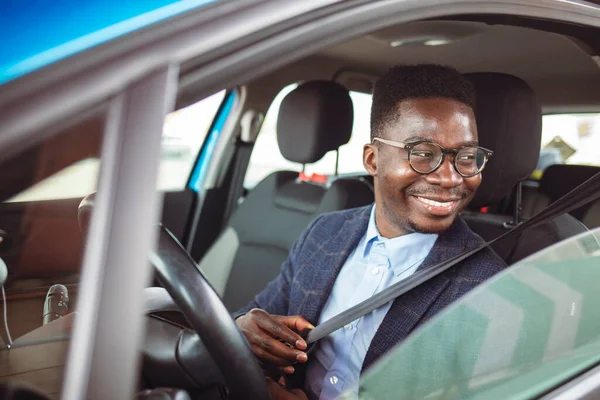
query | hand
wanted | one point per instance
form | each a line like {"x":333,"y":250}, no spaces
{"x":279,"y":392}
{"x":273,"y":338}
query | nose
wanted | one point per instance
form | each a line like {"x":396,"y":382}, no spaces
{"x":446,"y":175}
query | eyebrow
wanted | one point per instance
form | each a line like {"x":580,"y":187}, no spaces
{"x":414,"y":139}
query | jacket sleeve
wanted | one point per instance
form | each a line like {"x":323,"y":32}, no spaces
{"x":274,"y":299}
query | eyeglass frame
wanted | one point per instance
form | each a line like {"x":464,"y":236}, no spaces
{"x":409,"y":146}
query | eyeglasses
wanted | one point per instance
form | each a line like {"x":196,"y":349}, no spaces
{"x":426,"y":157}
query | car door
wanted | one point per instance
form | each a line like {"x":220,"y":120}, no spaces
{"x":520,"y":335}
{"x":187,"y":146}
{"x":41,"y":238}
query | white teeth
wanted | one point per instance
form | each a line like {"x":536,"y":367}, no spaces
{"x":447,"y":204}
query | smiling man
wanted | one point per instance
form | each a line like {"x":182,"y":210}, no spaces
{"x":426,"y":166}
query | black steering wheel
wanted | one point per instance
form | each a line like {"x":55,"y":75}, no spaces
{"x":205,"y":312}
{"x":208,"y":316}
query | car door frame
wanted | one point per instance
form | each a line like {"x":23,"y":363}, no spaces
{"x":181,"y":207}
{"x":209,"y":170}
{"x":236,"y":46}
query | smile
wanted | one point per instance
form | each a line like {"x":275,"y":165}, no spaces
{"x":438,"y":207}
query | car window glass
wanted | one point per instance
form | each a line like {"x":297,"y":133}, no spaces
{"x":569,"y":139}
{"x":516,"y":336}
{"x":266,"y":157}
{"x":183,"y":135}
{"x":41,"y":244}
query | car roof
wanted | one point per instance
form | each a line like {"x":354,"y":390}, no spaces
{"x":44,"y":32}
{"x":559,"y":61}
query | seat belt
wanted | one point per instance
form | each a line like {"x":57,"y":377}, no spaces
{"x":250,"y":124}
{"x":586,"y":192}
{"x":240,"y":165}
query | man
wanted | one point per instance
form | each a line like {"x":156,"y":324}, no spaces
{"x":426,"y":166}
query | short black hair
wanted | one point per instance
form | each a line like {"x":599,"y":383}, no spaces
{"x":416,"y":82}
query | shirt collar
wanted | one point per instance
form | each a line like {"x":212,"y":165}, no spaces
{"x":372,"y":234}
{"x":403,"y":251}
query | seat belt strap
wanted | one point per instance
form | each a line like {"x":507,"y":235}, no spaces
{"x":581,"y":195}
{"x":250,"y":124}
{"x":240,"y":165}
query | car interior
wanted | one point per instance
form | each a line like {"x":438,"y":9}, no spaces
{"x":522,"y":69}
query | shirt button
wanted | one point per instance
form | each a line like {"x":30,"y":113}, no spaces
{"x":348,"y":327}
{"x":333,"y":379}
{"x":375,"y":271}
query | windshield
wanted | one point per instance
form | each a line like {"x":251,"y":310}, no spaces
{"x":520,"y":334}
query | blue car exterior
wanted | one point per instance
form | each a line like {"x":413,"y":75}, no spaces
{"x":38,"y":33}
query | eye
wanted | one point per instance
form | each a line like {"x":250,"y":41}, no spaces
{"x":467,"y":156}
{"x":422,"y":154}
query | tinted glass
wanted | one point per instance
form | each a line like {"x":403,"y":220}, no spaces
{"x":516,"y":336}
{"x":184,"y":133}
{"x":41,"y":245}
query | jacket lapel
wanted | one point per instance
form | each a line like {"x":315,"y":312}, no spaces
{"x":321,"y":270}
{"x":326,"y":265}
{"x":406,"y":311}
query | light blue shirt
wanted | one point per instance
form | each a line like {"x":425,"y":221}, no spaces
{"x":375,"y":264}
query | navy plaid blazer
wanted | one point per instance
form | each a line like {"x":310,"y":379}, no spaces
{"x":307,"y":276}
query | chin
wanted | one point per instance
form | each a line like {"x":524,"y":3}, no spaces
{"x":431,"y":225}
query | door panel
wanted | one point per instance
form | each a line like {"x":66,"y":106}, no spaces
{"x":43,"y":246}
{"x":43,"y":238}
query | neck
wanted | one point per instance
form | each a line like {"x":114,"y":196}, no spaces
{"x":387,"y":229}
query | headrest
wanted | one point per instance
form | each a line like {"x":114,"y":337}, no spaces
{"x":314,"y":118}
{"x":509,"y":122}
{"x":560,"y":179}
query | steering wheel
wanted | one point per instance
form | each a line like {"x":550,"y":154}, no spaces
{"x":205,"y":312}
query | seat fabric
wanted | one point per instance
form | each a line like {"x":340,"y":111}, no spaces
{"x":558,"y":180}
{"x":313,"y":119}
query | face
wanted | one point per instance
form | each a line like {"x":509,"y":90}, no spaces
{"x":406,"y":200}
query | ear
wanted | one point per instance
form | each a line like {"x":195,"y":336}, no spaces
{"x":370,"y":159}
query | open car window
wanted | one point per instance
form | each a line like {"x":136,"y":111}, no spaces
{"x":519,"y":335}
{"x":184,"y":132}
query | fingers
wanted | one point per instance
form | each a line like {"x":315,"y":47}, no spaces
{"x":276,"y":327}
{"x":276,"y":391}
{"x":271,"y":350}
{"x":289,"y":370}
{"x":273,"y":371}
{"x":279,"y":392}
{"x":296,"y":322}
{"x":265,"y":334}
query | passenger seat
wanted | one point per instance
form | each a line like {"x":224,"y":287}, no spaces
{"x":509,"y":122}
{"x":558,"y":180}
{"x":314,"y":119}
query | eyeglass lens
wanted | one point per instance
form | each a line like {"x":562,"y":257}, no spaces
{"x":425,"y":157}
